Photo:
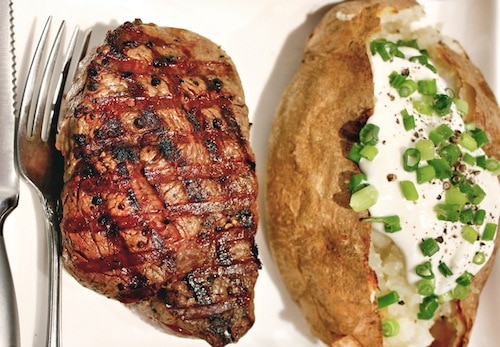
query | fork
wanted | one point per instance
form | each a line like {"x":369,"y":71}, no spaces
{"x":40,"y":164}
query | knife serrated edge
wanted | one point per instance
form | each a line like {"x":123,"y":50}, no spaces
{"x":13,"y":53}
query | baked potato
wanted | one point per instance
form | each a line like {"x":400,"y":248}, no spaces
{"x":337,"y":257}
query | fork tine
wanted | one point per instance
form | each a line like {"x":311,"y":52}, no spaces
{"x":29,"y":87}
{"x":41,"y":102}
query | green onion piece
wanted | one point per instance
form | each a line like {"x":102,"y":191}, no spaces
{"x":480,"y":136}
{"x":468,"y":142}
{"x":466,"y":216}
{"x":429,"y":247}
{"x":408,"y":43}
{"x":465,"y":279}
{"x":424,"y":270}
{"x":425,"y":174}
{"x":444,"y":269}
{"x":425,"y":287}
{"x":444,"y":130}
{"x":489,"y":232}
{"x":453,"y":196}
{"x":479,"y":217}
{"x":460,"y":292}
{"x":396,"y":79}
{"x":476,"y":194}
{"x":447,"y":212}
{"x":407,"y":88}
{"x":423,"y":107}
{"x":379,"y":46}
{"x":445,"y":297}
{"x":469,"y":234}
{"x":462,"y":106}
{"x":368,"y":135}
{"x":409,"y":191}
{"x":481,"y":161}
{"x":363,"y":198}
{"x":492,"y":164}
{"x":357,"y":182}
{"x":391,"y":223}
{"x":450,"y":153}
{"x":388,"y":299}
{"x":479,"y":258}
{"x":408,"y":120}
{"x":354,"y":152}
{"x":426,"y":148}
{"x":390,"y":327}
{"x":441,"y":104}
{"x":411,"y":159}
{"x":441,"y":167}
{"x":369,"y":152}
{"x":428,"y":307}
{"x":427,"y":87}
{"x":469,"y":159}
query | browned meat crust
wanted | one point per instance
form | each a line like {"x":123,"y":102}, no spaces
{"x":159,"y":201}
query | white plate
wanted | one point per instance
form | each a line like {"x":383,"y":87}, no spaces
{"x":265,"y":39}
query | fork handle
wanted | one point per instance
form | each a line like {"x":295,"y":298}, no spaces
{"x":54,"y":298}
{"x":9,"y":321}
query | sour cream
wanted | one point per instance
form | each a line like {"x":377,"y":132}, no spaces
{"x":418,"y":218}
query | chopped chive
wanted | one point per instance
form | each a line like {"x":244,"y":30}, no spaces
{"x":426,"y":148}
{"x":390,"y":327}
{"x":363,"y":198}
{"x":357,"y":182}
{"x":427,"y":87}
{"x":354,"y":152}
{"x":423,"y":107}
{"x":407,"y":88}
{"x":468,"y":142}
{"x":481,"y":161}
{"x":450,"y":153}
{"x":479,"y":258}
{"x":476,"y":194}
{"x":453,"y":196}
{"x":492,"y":164}
{"x":462,"y":106}
{"x":466,"y":216}
{"x":425,"y":174}
{"x":391,"y":223}
{"x":444,"y":269}
{"x":413,"y":43}
{"x":429,"y":247}
{"x":409,"y":191}
{"x":425,"y":287}
{"x":408,"y":120}
{"x":368,"y":152}
{"x":441,"y":167}
{"x":460,"y":292}
{"x":448,"y":212}
{"x":469,"y":159}
{"x":428,"y":307}
{"x":469,"y":234}
{"x":411,"y":159}
{"x":479,"y":217}
{"x":480,"y":136}
{"x":396,"y":79}
{"x":368,"y":135}
{"x":465,"y":279}
{"x":424,"y":270}
{"x":388,"y":299}
{"x":441,"y":104}
{"x":489,"y":232}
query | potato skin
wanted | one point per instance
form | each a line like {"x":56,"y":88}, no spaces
{"x":319,"y":244}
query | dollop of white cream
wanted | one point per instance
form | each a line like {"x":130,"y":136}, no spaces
{"x":418,"y":218}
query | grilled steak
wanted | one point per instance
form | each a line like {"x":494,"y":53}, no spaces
{"x":159,"y":198}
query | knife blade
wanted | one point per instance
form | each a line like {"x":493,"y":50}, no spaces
{"x":9,"y":181}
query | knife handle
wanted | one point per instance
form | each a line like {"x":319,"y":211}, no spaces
{"x":9,"y":320}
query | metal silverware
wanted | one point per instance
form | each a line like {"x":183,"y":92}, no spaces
{"x":9,"y":182}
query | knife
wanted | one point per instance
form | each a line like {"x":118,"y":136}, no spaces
{"x":9,"y":182}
